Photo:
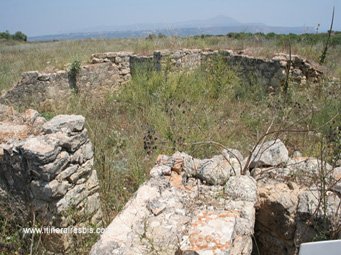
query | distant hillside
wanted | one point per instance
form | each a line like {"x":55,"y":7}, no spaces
{"x":214,"y":26}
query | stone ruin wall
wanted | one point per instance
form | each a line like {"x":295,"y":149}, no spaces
{"x":47,"y":166}
{"x":47,"y":173}
{"x":110,"y":70}
{"x":207,"y":207}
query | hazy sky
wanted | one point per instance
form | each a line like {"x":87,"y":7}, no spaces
{"x":40,"y":17}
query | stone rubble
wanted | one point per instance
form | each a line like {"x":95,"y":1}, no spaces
{"x":178,"y":209}
{"x":270,"y":153}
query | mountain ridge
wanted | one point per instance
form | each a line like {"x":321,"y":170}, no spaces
{"x":212,"y":26}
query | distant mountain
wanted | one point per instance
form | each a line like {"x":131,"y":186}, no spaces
{"x":218,"y":21}
{"x":214,"y":26}
{"x":213,"y":22}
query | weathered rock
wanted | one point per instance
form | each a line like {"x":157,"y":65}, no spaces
{"x":29,"y":77}
{"x":83,"y":170}
{"x":71,"y":141}
{"x":40,"y":149}
{"x":92,"y":204}
{"x":270,"y":153}
{"x":281,"y":202}
{"x":84,"y":153}
{"x":306,"y":170}
{"x":72,"y":123}
{"x":233,"y":154}
{"x":296,"y":154}
{"x":275,"y":224}
{"x":49,"y":191}
{"x":309,"y":204}
{"x":67,"y":172}
{"x":72,"y":198}
{"x":156,"y":206}
{"x":215,"y":171}
{"x":115,"y":235}
{"x":211,"y":232}
{"x":160,"y":171}
{"x":92,"y":182}
{"x":13,"y":131}
{"x":271,"y":173}
{"x":242,"y":188}
{"x":48,"y":171}
{"x":31,"y":116}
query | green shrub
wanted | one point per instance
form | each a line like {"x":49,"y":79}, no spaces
{"x":74,"y":70}
{"x":18,"y":36}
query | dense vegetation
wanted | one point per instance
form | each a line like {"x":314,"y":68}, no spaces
{"x":309,"y":39}
{"x":162,"y":112}
{"x":18,"y":36}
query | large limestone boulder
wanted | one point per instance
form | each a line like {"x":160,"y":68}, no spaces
{"x":270,"y":153}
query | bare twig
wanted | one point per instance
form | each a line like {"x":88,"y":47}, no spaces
{"x":324,"y":53}
{"x":286,"y":85}
{"x":260,"y":141}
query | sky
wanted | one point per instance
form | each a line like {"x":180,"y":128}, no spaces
{"x":43,"y":17}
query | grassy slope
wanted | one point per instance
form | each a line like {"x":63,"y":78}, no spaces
{"x":164,"y":112}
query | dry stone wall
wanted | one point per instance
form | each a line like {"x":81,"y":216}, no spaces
{"x":48,"y":166}
{"x":35,"y":87}
{"x":109,"y":70}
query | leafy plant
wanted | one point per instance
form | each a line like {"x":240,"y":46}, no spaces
{"x":74,"y":70}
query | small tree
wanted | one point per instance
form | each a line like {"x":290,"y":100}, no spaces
{"x":20,"y":36}
{"x":5,"y":35}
